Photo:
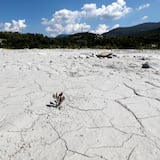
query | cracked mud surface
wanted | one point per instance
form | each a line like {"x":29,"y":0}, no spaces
{"x":111,"y":110}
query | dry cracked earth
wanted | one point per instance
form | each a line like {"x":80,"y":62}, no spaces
{"x":111,"y":109}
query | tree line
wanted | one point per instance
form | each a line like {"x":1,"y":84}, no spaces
{"x":145,"y":40}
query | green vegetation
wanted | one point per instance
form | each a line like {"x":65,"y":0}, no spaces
{"x":143,"y":40}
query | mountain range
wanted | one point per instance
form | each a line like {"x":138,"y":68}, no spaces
{"x":133,"y":30}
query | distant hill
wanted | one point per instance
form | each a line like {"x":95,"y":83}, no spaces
{"x":150,"y":37}
{"x":83,"y":35}
{"x":62,"y":35}
{"x":134,"y":30}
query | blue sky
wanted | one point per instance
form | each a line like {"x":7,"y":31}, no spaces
{"x":54,"y":17}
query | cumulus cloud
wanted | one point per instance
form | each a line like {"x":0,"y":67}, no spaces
{"x":14,"y":26}
{"x":115,"y":26}
{"x":116,"y":10}
{"x":66,"y":21}
{"x":102,"y":28}
{"x":143,"y":6}
{"x":144,"y":18}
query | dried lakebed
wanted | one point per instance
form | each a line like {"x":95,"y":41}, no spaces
{"x":111,"y":109}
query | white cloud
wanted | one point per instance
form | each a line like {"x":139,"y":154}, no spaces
{"x":116,"y":10}
{"x":66,"y":21}
{"x":65,"y":16}
{"x":77,"y":27}
{"x":144,"y":18}
{"x":143,"y":6}
{"x":14,"y":26}
{"x":115,"y":26}
{"x":102,"y":28}
{"x":88,"y":10}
